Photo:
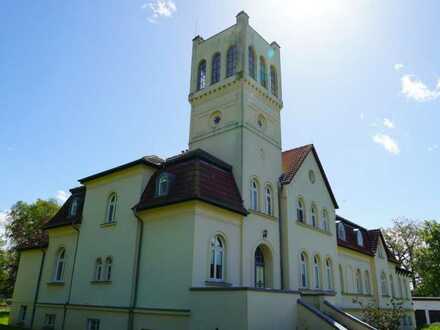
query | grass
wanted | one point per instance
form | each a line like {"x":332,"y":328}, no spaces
{"x":4,"y":318}
{"x":434,"y":326}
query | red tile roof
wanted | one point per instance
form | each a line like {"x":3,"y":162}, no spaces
{"x":292,"y":161}
{"x":195,"y":175}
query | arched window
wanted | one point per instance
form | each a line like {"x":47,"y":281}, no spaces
{"x":359,"y":238}
{"x":111,"y":208}
{"x":314,"y":216}
{"x":231,"y":61}
{"x":98,"y":270}
{"x":300,"y":210}
{"x":216,"y":272}
{"x":263,"y":72}
{"x":325,"y":225}
{"x":304,"y":266}
{"x":251,"y":62}
{"x":317,"y":272}
{"x":341,"y":231}
{"x":201,"y":75}
{"x":384,"y":284}
{"x":259,"y":269}
{"x":108,"y":268}
{"x":399,"y":281}
{"x":341,"y":278}
{"x":367,"y":282}
{"x":393,"y":290}
{"x":73,"y":207}
{"x":329,"y":273}
{"x":268,"y":200}
{"x":163,"y":184}
{"x":254,"y":194}
{"x":216,"y":68}
{"x":408,"y":293}
{"x":358,"y":281}
{"x":60,"y":263}
{"x":273,"y":81}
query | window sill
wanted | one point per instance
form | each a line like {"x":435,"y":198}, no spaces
{"x":101,"y":282}
{"x":306,"y":225}
{"x":108,"y":224}
{"x":56,"y":283}
{"x":217,"y":283}
{"x":265,"y":215}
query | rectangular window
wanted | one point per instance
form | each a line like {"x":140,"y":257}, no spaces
{"x":93,"y":324}
{"x":49,"y":320}
{"x":22,"y":314}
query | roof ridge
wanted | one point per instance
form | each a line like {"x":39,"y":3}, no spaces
{"x":310,"y":145}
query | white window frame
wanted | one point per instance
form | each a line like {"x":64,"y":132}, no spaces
{"x":60,"y":265}
{"x":73,"y":209}
{"x":367,"y":282}
{"x":108,"y":268}
{"x":329,"y":272}
{"x":358,"y":280}
{"x":217,"y":258}
{"x":254,"y":194}
{"x":316,"y":272}
{"x":98,"y":270}
{"x":49,"y":320}
{"x":304,"y":276}
{"x":112,"y":203}
{"x":268,"y":198}
{"x":314,"y":216}
{"x":359,"y":238}
{"x":93,"y":324}
{"x":325,"y":225}
{"x":301,"y":210}
{"x":341,"y":231}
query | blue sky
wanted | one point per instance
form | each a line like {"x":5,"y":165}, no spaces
{"x":88,"y":85}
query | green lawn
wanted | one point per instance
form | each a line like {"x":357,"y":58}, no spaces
{"x":4,"y":318}
{"x":435,"y":326}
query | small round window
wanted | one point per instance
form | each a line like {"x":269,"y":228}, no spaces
{"x":261,"y":122}
{"x":312,"y":177}
{"x":215,"y":119}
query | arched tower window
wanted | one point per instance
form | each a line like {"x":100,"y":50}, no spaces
{"x":300,"y":210}
{"x":216,"y":68}
{"x":273,"y":81}
{"x":304,"y":266}
{"x":358,"y":281}
{"x":216,"y":271}
{"x":259,"y":269}
{"x":367,"y":282}
{"x":108,"y":268}
{"x":263,"y":72}
{"x":254,"y":194}
{"x":60,"y":263}
{"x":268,"y":200}
{"x":341,"y":231}
{"x":384,"y":284}
{"x":111,"y":208}
{"x":201,"y":75}
{"x":317,"y":272}
{"x":98,"y":269}
{"x":251,"y":62}
{"x":329,"y":273}
{"x":314,"y":216}
{"x":231,"y":61}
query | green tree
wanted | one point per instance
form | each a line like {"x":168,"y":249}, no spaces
{"x":23,"y":229}
{"x":404,"y":239}
{"x":428,"y":260}
{"x":382,"y":318}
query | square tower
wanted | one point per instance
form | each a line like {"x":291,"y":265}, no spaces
{"x":236,"y":99}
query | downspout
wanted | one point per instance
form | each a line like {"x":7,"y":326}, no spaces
{"x":37,"y":291}
{"x":280,"y":192}
{"x":71,"y":278}
{"x":135,"y":282}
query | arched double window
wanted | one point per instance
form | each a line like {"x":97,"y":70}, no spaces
{"x":317,"y":272}
{"x":304,"y":266}
{"x":201,"y":75}
{"x":251,"y":62}
{"x":73,"y":207}
{"x":216,"y":270}
{"x":341,"y":231}
{"x":358,"y":280}
{"x":384,"y":284}
{"x":108,"y":268}
{"x":263,"y":72}
{"x":268,"y":200}
{"x":300,"y":210}
{"x":254,"y":194}
{"x":367,"y":282}
{"x":273,"y":81}
{"x":329,"y":273}
{"x":341,"y":278}
{"x":98,"y":270}
{"x":260,"y":281}
{"x":111,"y":208}
{"x":393,"y":290}
{"x":231,"y":61}
{"x":325,"y":225}
{"x":216,"y":68}
{"x":60,"y":263}
{"x":314,"y":216}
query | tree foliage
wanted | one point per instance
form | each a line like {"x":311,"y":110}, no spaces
{"x":383,"y":319}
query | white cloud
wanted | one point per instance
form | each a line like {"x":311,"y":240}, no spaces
{"x":62,"y":196}
{"x":416,"y":90}
{"x":387,"y":142}
{"x":159,"y":9}
{"x":433,"y":147}
{"x":3,"y":215}
{"x":388,"y":123}
{"x":398,"y":66}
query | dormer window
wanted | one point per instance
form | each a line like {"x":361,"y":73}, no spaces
{"x":163,"y":184}
{"x":73,"y":209}
{"x":341,"y":231}
{"x":359,"y":238}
